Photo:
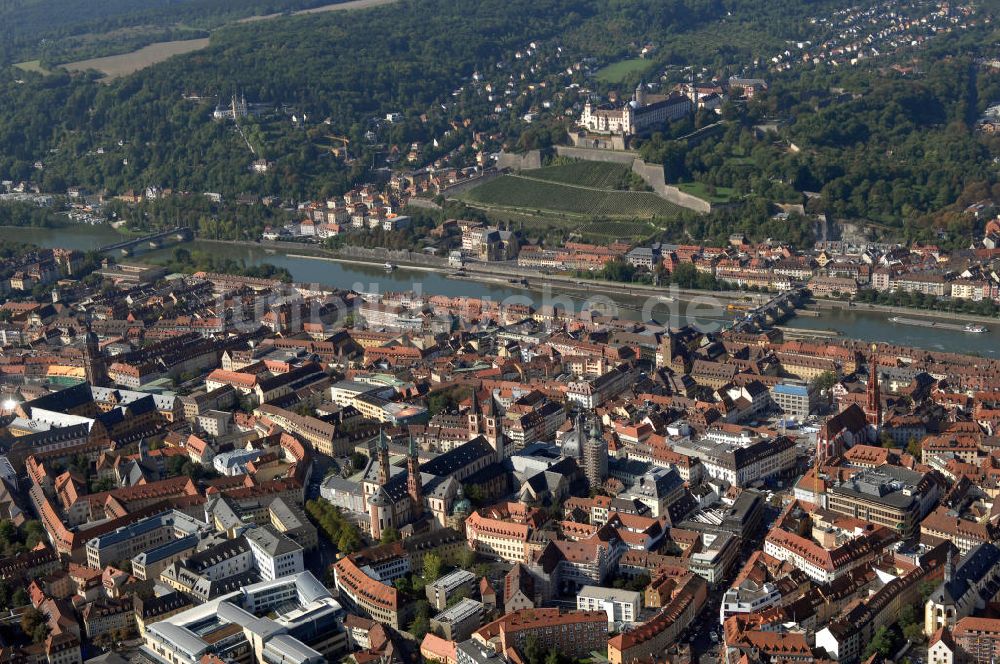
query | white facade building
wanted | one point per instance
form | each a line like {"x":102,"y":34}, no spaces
{"x":644,"y":112}
{"x":274,"y":554}
{"x":622,"y":606}
{"x":293,"y":620}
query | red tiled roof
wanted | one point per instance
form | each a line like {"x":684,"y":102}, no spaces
{"x":360,"y":584}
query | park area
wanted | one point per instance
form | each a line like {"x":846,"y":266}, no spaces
{"x":716,"y":195}
{"x":617,"y":72}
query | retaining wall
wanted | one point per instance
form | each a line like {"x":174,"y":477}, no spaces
{"x":652,"y":174}
{"x":465,"y":185}
{"x":392,"y":255}
{"x":590,"y":154}
{"x":520,"y":162}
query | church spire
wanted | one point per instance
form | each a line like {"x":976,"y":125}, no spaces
{"x":414,"y":485}
{"x":493,"y":428}
{"x":383,"y":458}
{"x":873,"y":403}
{"x":474,"y":416}
{"x":595,"y":456}
{"x":94,"y":367}
{"x":595,"y":429}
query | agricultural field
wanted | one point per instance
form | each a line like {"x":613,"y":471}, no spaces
{"x":595,"y":174}
{"x":617,"y":72}
{"x":115,"y":66}
{"x":334,"y":7}
{"x":515,"y":193}
{"x":344,"y":6}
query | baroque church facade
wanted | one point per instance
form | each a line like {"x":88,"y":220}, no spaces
{"x":427,"y":495}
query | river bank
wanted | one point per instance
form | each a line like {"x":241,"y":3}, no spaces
{"x":623,"y":297}
{"x":352,"y":261}
{"x":498,"y":274}
{"x":529,"y":281}
{"x":909,"y":311}
{"x":506,"y":274}
{"x":369,"y":275}
{"x":430,"y":275}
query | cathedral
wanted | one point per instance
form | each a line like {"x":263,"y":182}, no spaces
{"x":426,"y":495}
{"x":855,"y":424}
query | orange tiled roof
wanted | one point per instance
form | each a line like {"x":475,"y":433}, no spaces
{"x":360,"y":584}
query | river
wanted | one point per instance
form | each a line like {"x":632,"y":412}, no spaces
{"x":866,"y":325}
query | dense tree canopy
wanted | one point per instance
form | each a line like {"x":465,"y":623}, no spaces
{"x":866,"y":143}
{"x":342,"y":70}
{"x":871,"y":143}
{"x":62,"y":30}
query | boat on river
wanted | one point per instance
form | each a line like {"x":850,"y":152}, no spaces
{"x":972,"y":328}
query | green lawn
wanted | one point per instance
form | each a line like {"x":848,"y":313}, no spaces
{"x":32,"y":66}
{"x":617,"y":72}
{"x":700,"y":189}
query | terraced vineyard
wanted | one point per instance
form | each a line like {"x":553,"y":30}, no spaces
{"x":611,"y":231}
{"x":635,"y":205}
{"x":513,"y":192}
{"x":524,"y":194}
{"x":583,"y":173}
